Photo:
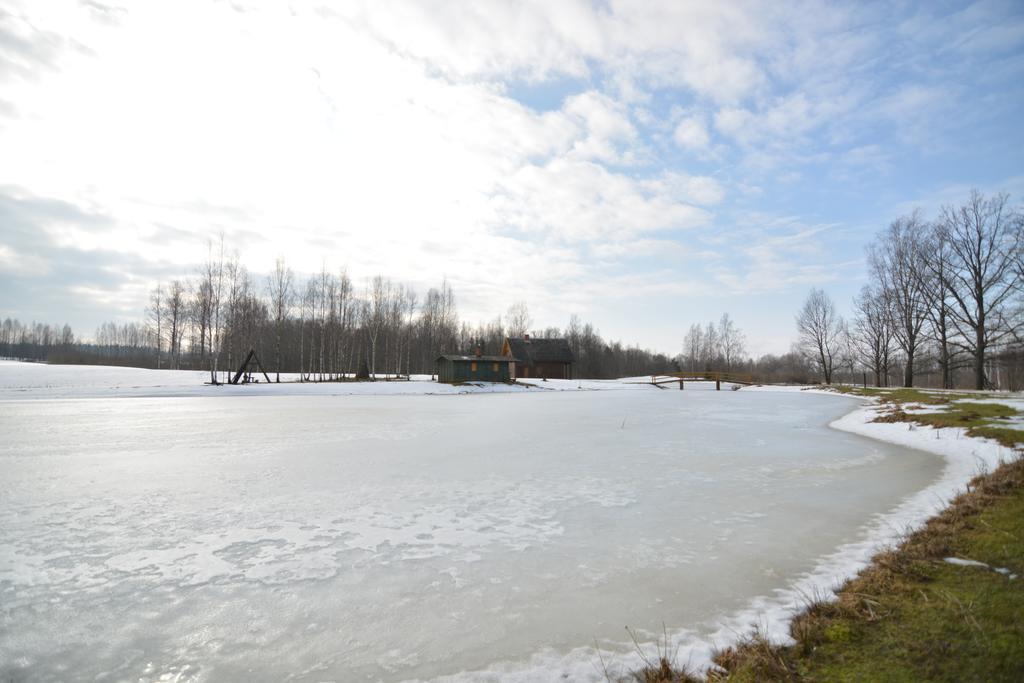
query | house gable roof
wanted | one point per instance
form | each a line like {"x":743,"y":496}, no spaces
{"x":532,"y":351}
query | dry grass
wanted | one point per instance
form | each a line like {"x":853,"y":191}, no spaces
{"x":661,"y":666}
{"x":753,"y":658}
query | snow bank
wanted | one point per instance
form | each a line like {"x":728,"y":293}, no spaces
{"x":22,"y":381}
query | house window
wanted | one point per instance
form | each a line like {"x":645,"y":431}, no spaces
{"x":495,"y":367}
{"x":472,"y":367}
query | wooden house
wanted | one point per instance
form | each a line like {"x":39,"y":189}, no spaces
{"x":540,"y":358}
{"x":455,"y":368}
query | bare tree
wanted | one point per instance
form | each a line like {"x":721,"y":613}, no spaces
{"x":692,"y":346}
{"x":939,"y":270}
{"x":731,"y":341}
{"x":985,"y":239}
{"x":212,"y":278}
{"x":236,"y":281}
{"x":345,"y":322}
{"x":898,"y":262}
{"x":307,"y":305}
{"x":518,"y":319}
{"x":280,"y":288}
{"x":156,"y":314}
{"x":202,"y":314}
{"x":820,"y":329}
{"x":847,"y":356}
{"x":409,"y":312}
{"x":871,"y":335}
{"x":709,"y":346}
{"x":174,"y":310}
{"x":376,"y":316}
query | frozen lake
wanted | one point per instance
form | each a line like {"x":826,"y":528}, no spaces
{"x":394,"y":537}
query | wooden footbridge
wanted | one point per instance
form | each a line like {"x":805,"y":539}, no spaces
{"x":695,"y":376}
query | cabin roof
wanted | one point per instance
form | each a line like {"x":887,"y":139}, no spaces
{"x":532,"y":350}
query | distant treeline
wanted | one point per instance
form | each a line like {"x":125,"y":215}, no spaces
{"x":34,"y":341}
{"x":134,"y":344}
{"x":323,"y":329}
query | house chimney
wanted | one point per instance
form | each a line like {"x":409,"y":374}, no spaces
{"x":526,"y":337}
{"x":479,"y":352}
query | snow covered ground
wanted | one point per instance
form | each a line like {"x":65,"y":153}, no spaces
{"x":273,"y":532}
{"x":23,"y":381}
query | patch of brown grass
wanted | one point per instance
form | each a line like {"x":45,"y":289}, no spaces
{"x":753,"y":658}
{"x":894,"y":415}
{"x":664,"y":671}
{"x":659,"y":668}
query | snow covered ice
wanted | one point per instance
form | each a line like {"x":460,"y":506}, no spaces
{"x":192,"y":533}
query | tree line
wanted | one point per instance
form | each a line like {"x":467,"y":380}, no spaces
{"x":945,"y":301}
{"x":722,"y":347}
{"x":322,"y":328}
{"x":33,"y":341}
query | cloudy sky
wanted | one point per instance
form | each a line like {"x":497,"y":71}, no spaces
{"x":644,"y":164}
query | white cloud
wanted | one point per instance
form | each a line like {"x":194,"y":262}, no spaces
{"x":307,"y":137}
{"x":692,"y":133}
{"x":575,"y":201}
{"x":707,"y":48}
{"x":702,"y":190}
{"x":609,"y":134}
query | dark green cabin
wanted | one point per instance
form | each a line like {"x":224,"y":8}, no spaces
{"x":454,"y":368}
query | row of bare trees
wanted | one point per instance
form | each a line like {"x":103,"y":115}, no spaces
{"x":325,"y":327}
{"x":947,"y":292}
{"x":321,"y":328}
{"x":714,"y":347}
{"x":32,"y":341}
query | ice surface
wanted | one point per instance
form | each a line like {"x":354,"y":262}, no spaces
{"x":240,"y":536}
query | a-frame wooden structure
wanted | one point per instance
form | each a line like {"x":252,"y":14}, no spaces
{"x":243,"y":369}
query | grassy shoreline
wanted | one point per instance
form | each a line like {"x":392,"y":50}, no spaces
{"x":939,"y":606}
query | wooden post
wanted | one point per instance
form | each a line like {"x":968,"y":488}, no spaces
{"x":680,"y":384}
{"x":718,"y":384}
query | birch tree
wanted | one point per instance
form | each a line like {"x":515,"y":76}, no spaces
{"x":518,"y":319}
{"x":280,"y":288}
{"x":212,"y":278}
{"x":693,"y":346}
{"x":174,"y":311}
{"x":156,"y":313}
{"x":731,"y":340}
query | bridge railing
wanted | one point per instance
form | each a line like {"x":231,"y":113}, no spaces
{"x":704,"y":376}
